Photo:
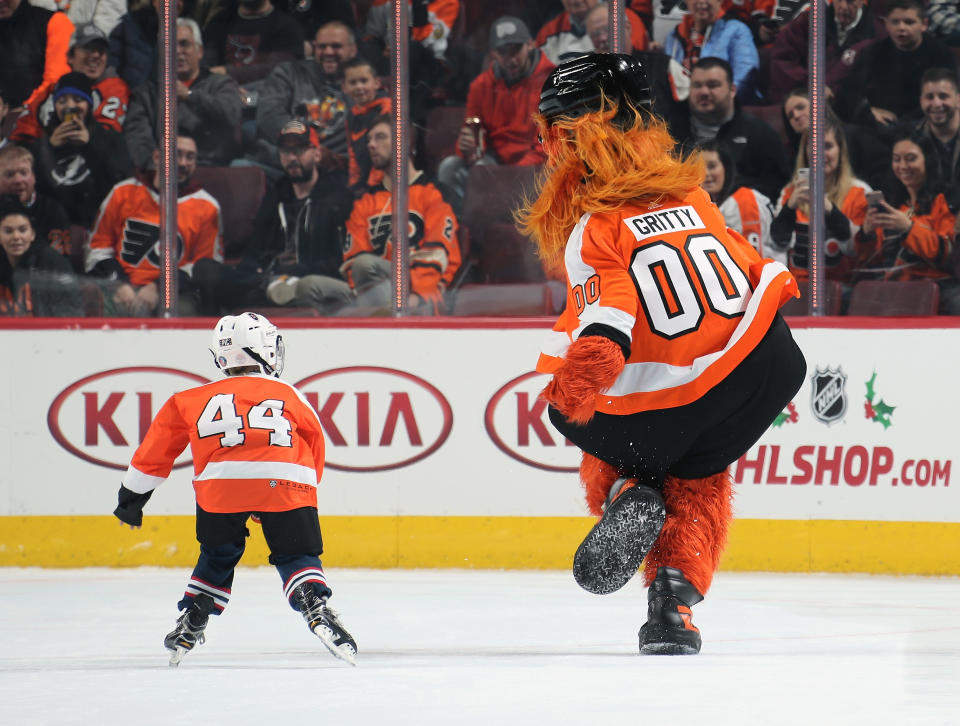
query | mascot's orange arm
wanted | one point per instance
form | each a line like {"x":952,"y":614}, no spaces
{"x":591,"y":366}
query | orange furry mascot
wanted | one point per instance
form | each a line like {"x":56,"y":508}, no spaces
{"x":639,"y":366}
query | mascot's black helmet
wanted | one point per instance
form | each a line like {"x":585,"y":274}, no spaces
{"x":575,"y":88}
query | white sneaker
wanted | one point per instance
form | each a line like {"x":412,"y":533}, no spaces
{"x":282,"y":289}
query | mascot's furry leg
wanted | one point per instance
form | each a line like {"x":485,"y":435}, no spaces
{"x":632,"y":515}
{"x":680,"y":565}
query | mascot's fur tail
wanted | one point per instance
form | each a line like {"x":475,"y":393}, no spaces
{"x":699,"y":512}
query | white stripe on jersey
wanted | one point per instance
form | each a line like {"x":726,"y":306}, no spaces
{"x":136,"y":481}
{"x":578,"y":272}
{"x":220,"y":596}
{"x":258,"y":470}
{"x":646,"y":377}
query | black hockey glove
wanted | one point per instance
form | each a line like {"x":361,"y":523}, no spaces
{"x":130,"y":507}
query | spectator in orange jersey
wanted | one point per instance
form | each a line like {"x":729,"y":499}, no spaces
{"x":368,"y":101}
{"x":33,"y":51}
{"x":34,"y":278}
{"x":845,"y":206}
{"x":87,"y":55}
{"x":910,"y":233}
{"x":665,"y":368}
{"x":125,"y":247}
{"x":258,"y":451}
{"x":566,"y":36}
{"x":502,"y":99}
{"x":745,"y":210}
{"x":50,"y":219}
{"x":433,"y":229}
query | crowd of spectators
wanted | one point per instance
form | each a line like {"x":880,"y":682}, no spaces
{"x":298,"y":93}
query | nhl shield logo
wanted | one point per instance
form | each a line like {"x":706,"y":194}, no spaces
{"x":828,"y":394}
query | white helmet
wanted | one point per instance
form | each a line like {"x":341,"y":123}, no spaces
{"x":247,"y":339}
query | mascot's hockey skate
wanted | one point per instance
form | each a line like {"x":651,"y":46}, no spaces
{"x":669,"y":630}
{"x":189,"y":630}
{"x":612,"y":552}
{"x":324,"y":623}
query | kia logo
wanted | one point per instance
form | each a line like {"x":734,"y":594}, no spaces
{"x":516,"y":420}
{"x":103,"y":418}
{"x":377,"y":419}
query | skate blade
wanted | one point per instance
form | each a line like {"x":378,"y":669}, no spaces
{"x":176,"y":656}
{"x":667,"y":649}
{"x":344,"y":652}
{"x":611,"y":553}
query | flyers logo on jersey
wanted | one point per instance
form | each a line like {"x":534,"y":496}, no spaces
{"x":516,"y":421}
{"x":380,"y":227}
{"x":140,"y":241}
{"x":653,"y":224}
{"x":377,"y":419}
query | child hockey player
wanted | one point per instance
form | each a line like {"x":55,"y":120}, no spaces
{"x":258,"y":450}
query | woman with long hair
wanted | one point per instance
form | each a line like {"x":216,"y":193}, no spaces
{"x":746,"y":210}
{"x":910,"y":234}
{"x":845,"y":206}
{"x":35,"y":279}
{"x":670,"y":359}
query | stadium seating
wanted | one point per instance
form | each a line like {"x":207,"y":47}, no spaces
{"x":518,"y":299}
{"x":440,"y":137}
{"x":903,"y":297}
{"x":239,"y":191}
{"x":491,"y":196}
{"x":833,"y":297}
{"x":773,"y":115}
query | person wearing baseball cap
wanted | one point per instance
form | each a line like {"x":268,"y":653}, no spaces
{"x":498,"y":125}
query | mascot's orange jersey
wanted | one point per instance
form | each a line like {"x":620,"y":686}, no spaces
{"x":692,"y":296}
{"x":256,"y":442}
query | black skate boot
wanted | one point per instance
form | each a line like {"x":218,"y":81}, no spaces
{"x":190,"y":627}
{"x":612,"y":552}
{"x":668,"y":630}
{"x":324,"y":623}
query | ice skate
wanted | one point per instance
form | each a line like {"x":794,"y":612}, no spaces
{"x":669,"y":629}
{"x":612,"y":552}
{"x":189,"y":630}
{"x":324,"y":623}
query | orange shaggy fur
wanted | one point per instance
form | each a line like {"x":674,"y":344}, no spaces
{"x":699,"y":512}
{"x":590,"y":366}
{"x":594,"y":166}
{"x":597,"y":476}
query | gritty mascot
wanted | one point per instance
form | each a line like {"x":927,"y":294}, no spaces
{"x":258,"y":450}
{"x":670,"y":358}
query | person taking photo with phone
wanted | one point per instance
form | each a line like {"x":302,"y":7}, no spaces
{"x":845,"y":206}
{"x":78,"y":160}
{"x":910,"y":233}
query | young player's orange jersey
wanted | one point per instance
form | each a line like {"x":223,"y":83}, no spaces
{"x":128,"y":230}
{"x":692,"y":297}
{"x":256,"y":442}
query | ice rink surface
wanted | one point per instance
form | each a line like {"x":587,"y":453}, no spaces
{"x":479,"y":647}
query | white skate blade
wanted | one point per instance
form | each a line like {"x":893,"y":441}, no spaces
{"x":176,"y":656}
{"x":344,"y":652}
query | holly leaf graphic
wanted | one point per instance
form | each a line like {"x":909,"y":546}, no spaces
{"x":883,"y":413}
{"x":870,"y":392}
{"x":779,"y":420}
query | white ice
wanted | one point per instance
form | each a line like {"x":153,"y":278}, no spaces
{"x":478,"y":647}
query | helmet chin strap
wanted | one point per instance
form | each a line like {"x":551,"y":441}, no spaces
{"x":267,"y":368}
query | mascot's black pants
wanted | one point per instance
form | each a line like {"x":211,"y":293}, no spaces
{"x":706,"y":436}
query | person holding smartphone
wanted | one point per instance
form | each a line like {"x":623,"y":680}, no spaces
{"x":909,"y":232}
{"x":77,"y":159}
{"x":845,"y":206}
